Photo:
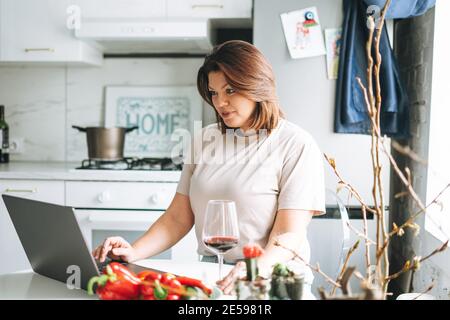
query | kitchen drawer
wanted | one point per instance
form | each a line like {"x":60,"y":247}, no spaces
{"x":209,"y":8}
{"x":11,"y":250}
{"x":120,"y":195}
{"x":48,"y":191}
{"x":121,"y":9}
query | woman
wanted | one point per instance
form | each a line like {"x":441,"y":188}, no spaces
{"x":270,"y":167}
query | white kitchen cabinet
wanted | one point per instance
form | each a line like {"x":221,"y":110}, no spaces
{"x":11,"y":250}
{"x":119,"y":195}
{"x":326,"y":239}
{"x":125,"y":209}
{"x":37,"y":31}
{"x":121,"y":8}
{"x":209,"y":8}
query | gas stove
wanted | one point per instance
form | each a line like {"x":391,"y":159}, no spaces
{"x":130,"y":163}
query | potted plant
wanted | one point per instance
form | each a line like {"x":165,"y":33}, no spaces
{"x":252,"y":286}
{"x":285,"y":284}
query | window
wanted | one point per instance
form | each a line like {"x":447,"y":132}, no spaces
{"x":437,"y":219}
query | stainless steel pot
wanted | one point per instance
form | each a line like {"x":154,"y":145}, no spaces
{"x":105,"y":144}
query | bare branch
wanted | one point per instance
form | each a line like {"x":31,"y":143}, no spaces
{"x":366,"y":240}
{"x":414,"y":216}
{"x":316,"y":268}
{"x":373,"y":102}
{"x":347,"y":185}
{"x":344,"y":266}
{"x":366,"y":97}
{"x":425,"y":291}
{"x":360,"y":234}
{"x":416,"y":262}
{"x":406,"y":151}
{"x":369,"y":95}
{"x":440,"y":249}
{"x":401,"y":194}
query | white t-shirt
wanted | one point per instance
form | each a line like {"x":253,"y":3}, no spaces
{"x":261,"y":173}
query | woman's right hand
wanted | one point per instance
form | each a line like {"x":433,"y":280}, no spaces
{"x":115,"y":248}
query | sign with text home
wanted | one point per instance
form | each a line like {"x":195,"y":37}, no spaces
{"x":157,"y":111}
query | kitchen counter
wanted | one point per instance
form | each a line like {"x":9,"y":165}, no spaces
{"x":66,"y":171}
{"x":31,"y":286}
{"x":27,"y":285}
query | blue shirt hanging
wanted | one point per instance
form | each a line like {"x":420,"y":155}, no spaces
{"x":351,"y":111}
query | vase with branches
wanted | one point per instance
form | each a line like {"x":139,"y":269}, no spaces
{"x":376,"y":276}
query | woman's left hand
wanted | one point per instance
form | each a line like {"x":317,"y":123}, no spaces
{"x":227,"y":283}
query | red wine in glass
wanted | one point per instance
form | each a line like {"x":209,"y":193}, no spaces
{"x":220,"y":229}
{"x":221,"y":244}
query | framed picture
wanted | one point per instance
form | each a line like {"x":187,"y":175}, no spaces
{"x":333,"y":45}
{"x":157,"y":111}
{"x":303,"y":33}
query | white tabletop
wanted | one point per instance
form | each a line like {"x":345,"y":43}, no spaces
{"x":66,"y":171}
{"x":27,"y":285}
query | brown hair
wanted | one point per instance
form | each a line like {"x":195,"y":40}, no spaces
{"x":248,"y":72}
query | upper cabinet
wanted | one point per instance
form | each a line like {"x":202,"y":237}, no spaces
{"x":209,"y":8}
{"x":40,"y":31}
{"x":51,"y":31}
{"x":126,"y":9}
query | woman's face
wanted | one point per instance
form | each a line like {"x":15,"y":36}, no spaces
{"x":234,"y":108}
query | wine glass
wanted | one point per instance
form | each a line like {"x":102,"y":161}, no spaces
{"x":220,"y":228}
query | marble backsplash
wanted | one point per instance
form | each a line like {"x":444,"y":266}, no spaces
{"x":42,"y":103}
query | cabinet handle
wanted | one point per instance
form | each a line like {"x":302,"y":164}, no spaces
{"x":154,"y":198}
{"x":111,"y":219}
{"x":39,"y":49}
{"x":21,"y":190}
{"x":104,"y":197}
{"x":206,"y":6}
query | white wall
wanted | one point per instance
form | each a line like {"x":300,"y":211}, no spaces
{"x":439,"y":146}
{"x":35,"y":103}
{"x":437,"y":269}
{"x":42,"y":103}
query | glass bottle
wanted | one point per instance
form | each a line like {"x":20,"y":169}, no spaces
{"x":4,"y":137}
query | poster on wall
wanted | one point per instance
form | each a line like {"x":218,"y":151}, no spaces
{"x":333,"y":46}
{"x":157,"y":111}
{"x":303,"y":33}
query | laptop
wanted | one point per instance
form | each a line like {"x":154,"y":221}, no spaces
{"x":53,"y":242}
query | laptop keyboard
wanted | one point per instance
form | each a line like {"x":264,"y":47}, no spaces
{"x":102,"y":265}
{"x":132,"y":267}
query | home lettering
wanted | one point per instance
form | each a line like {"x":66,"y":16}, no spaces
{"x":153,"y":123}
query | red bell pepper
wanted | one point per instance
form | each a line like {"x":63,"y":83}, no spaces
{"x":159,"y":292}
{"x":194,"y":283}
{"x":118,"y":283}
{"x":146,"y":289}
{"x":149,"y":275}
{"x":109,"y":295}
{"x":123,"y":272}
{"x":166,"y":277}
{"x":170,"y":282}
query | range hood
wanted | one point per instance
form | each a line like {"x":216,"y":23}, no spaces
{"x":128,"y":36}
